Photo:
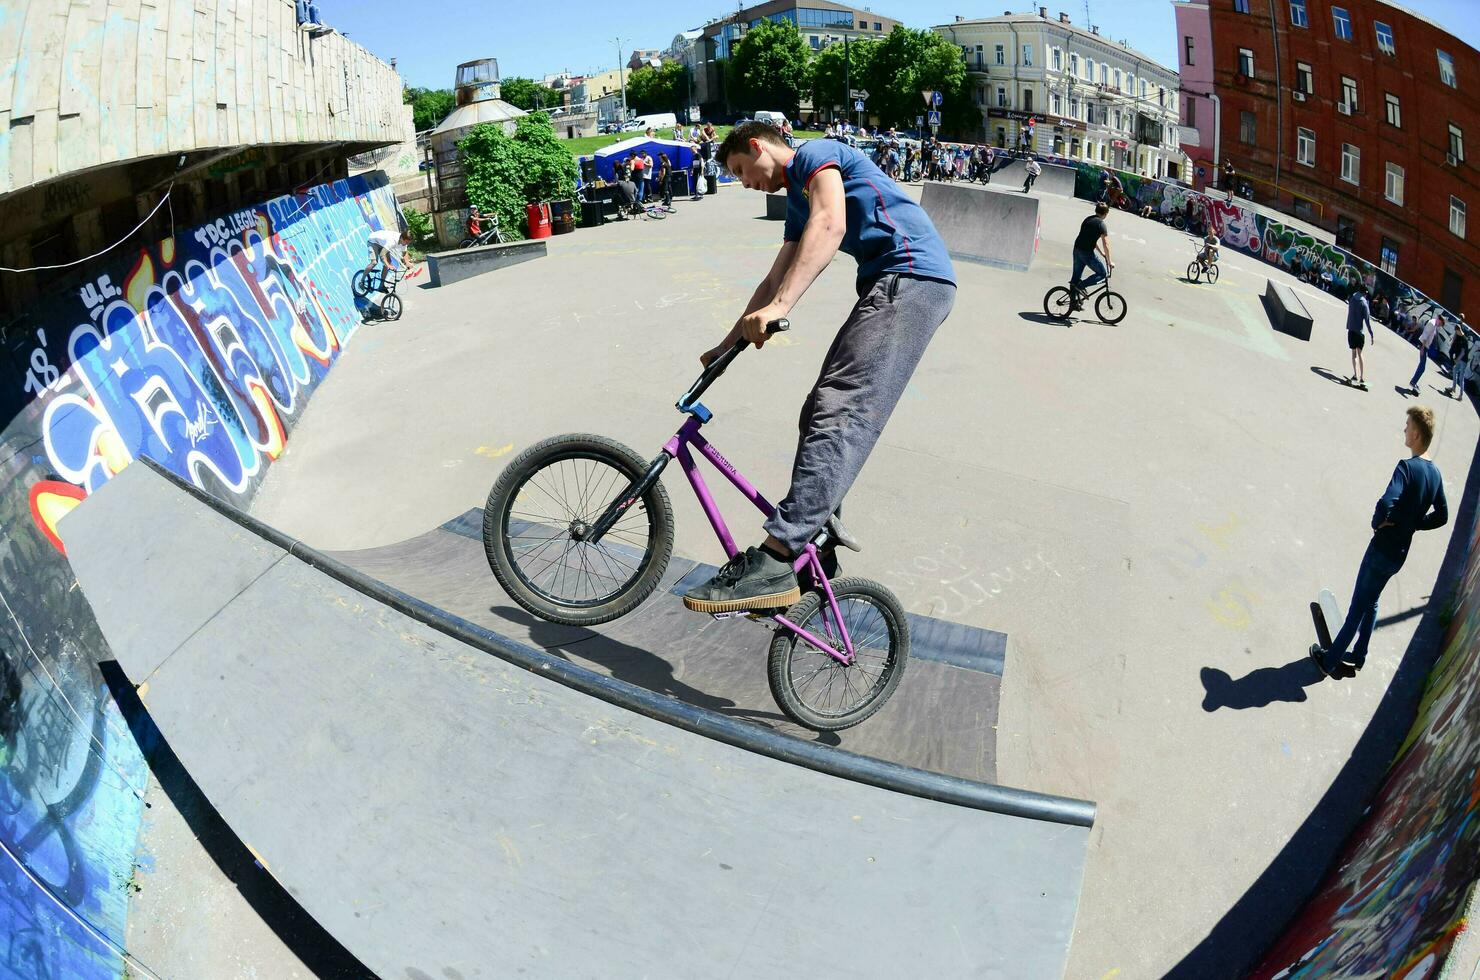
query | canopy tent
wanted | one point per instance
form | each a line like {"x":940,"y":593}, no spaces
{"x":681,"y":155}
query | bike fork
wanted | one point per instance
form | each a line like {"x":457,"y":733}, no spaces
{"x":626,"y":499}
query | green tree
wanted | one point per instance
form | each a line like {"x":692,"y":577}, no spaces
{"x":529,"y":95}
{"x":661,"y":89}
{"x":769,"y":68}
{"x":829,"y":81}
{"x":504,"y":173}
{"x":910,"y":61}
{"x":429,"y":106}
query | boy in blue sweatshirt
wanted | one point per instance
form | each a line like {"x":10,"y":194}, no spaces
{"x":1413,"y":501}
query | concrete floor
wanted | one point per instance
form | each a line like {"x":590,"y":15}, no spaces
{"x":1145,"y":509}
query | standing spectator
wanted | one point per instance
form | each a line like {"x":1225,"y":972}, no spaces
{"x":1358,"y":315}
{"x":786,"y":132}
{"x":696,"y":178}
{"x":639,"y":176}
{"x":665,"y":186}
{"x":1459,"y":360}
{"x":1034,"y":169}
{"x":1229,"y":175}
{"x":648,"y":170}
{"x":1425,"y":339}
{"x":1414,"y":501}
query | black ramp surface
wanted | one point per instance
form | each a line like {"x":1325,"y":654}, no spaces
{"x":440,"y":808}
{"x":943,"y":716}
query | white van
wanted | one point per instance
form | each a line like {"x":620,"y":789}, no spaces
{"x":774,"y":118}
{"x":657,"y":120}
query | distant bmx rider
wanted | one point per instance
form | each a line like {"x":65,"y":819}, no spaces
{"x":1093,"y":236}
{"x":387,"y":247}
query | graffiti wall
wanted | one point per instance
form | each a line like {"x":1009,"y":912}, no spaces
{"x":1242,"y":229}
{"x":200,"y":351}
{"x":1395,"y":902}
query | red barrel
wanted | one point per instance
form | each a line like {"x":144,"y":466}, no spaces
{"x":539,"y":220}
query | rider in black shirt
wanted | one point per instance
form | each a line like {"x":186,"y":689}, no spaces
{"x":1092,"y":235}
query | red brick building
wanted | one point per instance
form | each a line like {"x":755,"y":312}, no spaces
{"x":1355,"y":116}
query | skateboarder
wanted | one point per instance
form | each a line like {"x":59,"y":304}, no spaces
{"x":1413,"y":501}
{"x":836,"y":200}
{"x":1358,"y":314}
{"x":1033,"y":171}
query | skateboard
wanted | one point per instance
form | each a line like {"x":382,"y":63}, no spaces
{"x":1354,"y":383}
{"x":1324,"y":612}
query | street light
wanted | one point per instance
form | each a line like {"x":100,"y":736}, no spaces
{"x":621,"y":78}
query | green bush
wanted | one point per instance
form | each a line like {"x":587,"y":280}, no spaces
{"x":419,"y":224}
{"x":504,"y":173}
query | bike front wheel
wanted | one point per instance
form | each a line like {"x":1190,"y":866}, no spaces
{"x":1193,"y":268}
{"x":538,"y":514}
{"x":1110,"y":307}
{"x":1213,"y":272}
{"x":1058,"y":303}
{"x":390,"y":308}
{"x":815,"y":689}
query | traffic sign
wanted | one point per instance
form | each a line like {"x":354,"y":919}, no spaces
{"x":919,"y":121}
{"x":936,"y":98}
{"x":861,"y":94}
{"x":858,"y":106}
{"x":928,"y":95}
{"x":934,"y":117}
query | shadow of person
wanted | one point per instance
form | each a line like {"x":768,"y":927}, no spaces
{"x":1329,"y":375}
{"x":1259,"y":688}
{"x":1052,"y":321}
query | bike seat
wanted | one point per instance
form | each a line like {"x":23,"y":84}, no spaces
{"x":839,"y":533}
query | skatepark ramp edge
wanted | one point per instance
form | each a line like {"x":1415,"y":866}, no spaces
{"x":936,"y":787}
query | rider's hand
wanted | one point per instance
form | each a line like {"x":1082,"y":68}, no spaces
{"x":708,"y":356}
{"x":753,"y":325}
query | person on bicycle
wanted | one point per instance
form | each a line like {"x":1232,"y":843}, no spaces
{"x":1209,"y":253}
{"x":1093,"y":235}
{"x":387,"y":247}
{"x":836,"y":200}
{"x":475,"y":223}
{"x":1034,"y":169}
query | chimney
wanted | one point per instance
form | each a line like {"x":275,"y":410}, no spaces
{"x":1043,"y":12}
{"x":1095,"y":30}
{"x":959,"y":18}
{"x":1063,"y":17}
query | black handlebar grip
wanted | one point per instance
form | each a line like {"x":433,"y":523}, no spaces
{"x":779,"y":325}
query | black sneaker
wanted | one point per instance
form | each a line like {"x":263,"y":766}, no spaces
{"x":1319,"y":656}
{"x":753,"y":579}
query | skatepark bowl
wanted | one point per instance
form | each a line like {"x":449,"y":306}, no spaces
{"x":266,"y":712}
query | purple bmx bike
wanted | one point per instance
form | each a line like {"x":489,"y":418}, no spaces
{"x":578,"y":530}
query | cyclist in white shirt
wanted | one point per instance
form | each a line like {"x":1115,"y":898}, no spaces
{"x":387,"y":247}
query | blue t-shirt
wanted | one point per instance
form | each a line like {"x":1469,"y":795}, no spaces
{"x":1358,"y":314}
{"x":886,"y":230}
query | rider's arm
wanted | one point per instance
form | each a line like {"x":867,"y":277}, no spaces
{"x":1105,"y":246}
{"x":821,"y":237}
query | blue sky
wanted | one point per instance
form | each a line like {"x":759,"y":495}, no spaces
{"x":431,"y":37}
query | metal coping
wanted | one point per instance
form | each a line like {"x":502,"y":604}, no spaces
{"x":701,"y":721}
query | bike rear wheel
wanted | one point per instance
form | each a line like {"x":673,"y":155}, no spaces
{"x":465,"y":243}
{"x":816,"y":690}
{"x":361,"y":283}
{"x":538,"y":511}
{"x":1110,"y":307}
{"x":1058,"y":303}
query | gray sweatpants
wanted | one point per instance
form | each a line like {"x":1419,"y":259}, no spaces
{"x":863,"y":376}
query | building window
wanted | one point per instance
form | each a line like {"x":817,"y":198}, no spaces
{"x":1394,"y":190}
{"x":1073,"y":108}
{"x":1457,"y":216}
{"x":1446,"y":70}
{"x":1349,"y":93}
{"x":1451,"y":292}
{"x":1306,"y":148}
{"x":1342,"y":22}
{"x":1073,"y":63}
{"x":1058,"y":105}
{"x":1304,"y":80}
{"x":1346,"y":232}
{"x":1240,"y":6}
{"x":1247,"y":131}
{"x":1394,"y":111}
{"x":1389,"y":257}
{"x":1385,"y":42}
{"x":1456,"y":144}
{"x":1297,"y":14}
{"x":1351,"y":164}
{"x":863,"y":25}
{"x":1027,"y":100}
{"x":1117,"y":119}
{"x":1186,"y":51}
{"x":1001,"y":55}
{"x":812,"y":39}
{"x":1246,"y":62}
{"x":878,"y":26}
{"x":1001,"y":97}
{"x":1027,"y":56}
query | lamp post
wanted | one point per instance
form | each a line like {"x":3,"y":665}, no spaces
{"x":621,"y":78}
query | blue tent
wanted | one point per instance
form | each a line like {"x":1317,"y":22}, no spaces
{"x":681,"y":155}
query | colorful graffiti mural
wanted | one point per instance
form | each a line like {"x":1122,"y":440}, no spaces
{"x":201,"y":352}
{"x":1396,"y":899}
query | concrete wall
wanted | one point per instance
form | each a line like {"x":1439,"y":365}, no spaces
{"x":201,"y":351}
{"x":84,"y":84}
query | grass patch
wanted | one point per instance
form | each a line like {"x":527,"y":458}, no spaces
{"x":584,"y":146}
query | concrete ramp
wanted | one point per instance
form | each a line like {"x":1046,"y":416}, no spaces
{"x":1055,"y":179}
{"x":447,"y":802}
{"x":982,"y":224}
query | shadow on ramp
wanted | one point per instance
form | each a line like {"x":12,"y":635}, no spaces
{"x":1259,"y":688}
{"x":444,"y":801}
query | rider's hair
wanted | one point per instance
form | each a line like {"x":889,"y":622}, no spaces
{"x":739,"y":139}
{"x":1423,"y":420}
{"x":1102,"y":209}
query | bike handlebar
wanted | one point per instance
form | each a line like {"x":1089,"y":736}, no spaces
{"x":717,"y":366}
